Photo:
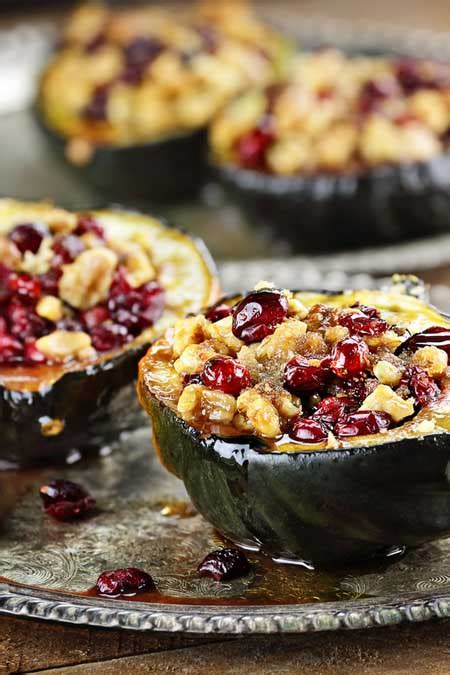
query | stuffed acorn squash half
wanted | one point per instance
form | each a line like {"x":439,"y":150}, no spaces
{"x":344,"y":141}
{"x":311,"y":426}
{"x":81,"y":296}
{"x":128,"y":94}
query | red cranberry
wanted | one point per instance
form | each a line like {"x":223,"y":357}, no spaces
{"x":10,"y":349}
{"x":436,"y":336}
{"x":414,"y":75}
{"x":125,"y":581}
{"x":88,"y":224}
{"x":349,"y":357}
{"x":5,"y":291}
{"x":251,"y":148}
{"x":135,"y":308}
{"x":224,"y":564}
{"x":332,"y":408}
{"x":96,"y":108}
{"x":109,"y":336}
{"x":192,"y":378}
{"x":31,"y":354}
{"x":28,"y":236}
{"x":219,"y":311}
{"x":143,"y":50}
{"x":423,"y":387}
{"x":28,"y":289}
{"x":308,"y":430}
{"x":362,"y":423}
{"x":95,"y":316}
{"x":97,"y":41}
{"x":49,"y":281}
{"x":64,"y":500}
{"x":258,"y":314}
{"x":24,"y":322}
{"x":300,"y":377}
{"x":362,"y":324}
{"x":225,"y":374}
{"x":3,"y":326}
{"x":68,"y":248}
{"x":375,"y":92}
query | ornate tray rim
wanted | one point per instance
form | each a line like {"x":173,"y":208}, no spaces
{"x":352,"y":615}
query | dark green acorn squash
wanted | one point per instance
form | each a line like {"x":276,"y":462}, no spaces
{"x":323,"y":507}
{"x":48,"y":410}
{"x":329,"y":212}
{"x":163,"y":170}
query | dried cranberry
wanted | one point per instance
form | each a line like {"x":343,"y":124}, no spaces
{"x":349,"y":357}
{"x":375,"y":92}
{"x":142,"y":51}
{"x":5,"y":291}
{"x":31,"y":354}
{"x":28,"y":236}
{"x":332,"y":408}
{"x":95,"y":43}
{"x":96,"y":109}
{"x":301,"y":377}
{"x":423,"y":387}
{"x":10,"y":349}
{"x":258,"y":314}
{"x":251,"y":148}
{"x":135,"y":308}
{"x":192,"y":378}
{"x":95,"y":316}
{"x":219,"y":311}
{"x":362,"y":324}
{"x":3,"y":326}
{"x":88,"y":224}
{"x":27,"y":288}
{"x":308,"y":430}
{"x":224,"y":564}
{"x":436,"y":336}
{"x":125,"y":581}
{"x":225,"y":374}
{"x":64,"y":500}
{"x":49,"y":281}
{"x":362,"y":423}
{"x":414,"y":75}
{"x":68,"y":248}
{"x":24,"y":322}
{"x":70,"y":324}
{"x":109,"y":336}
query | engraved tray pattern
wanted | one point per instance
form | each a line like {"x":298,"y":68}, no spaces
{"x":49,"y":564}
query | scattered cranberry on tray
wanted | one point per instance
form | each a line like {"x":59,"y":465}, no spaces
{"x":124,"y":581}
{"x":258,"y":314}
{"x":224,"y":564}
{"x":65,"y":500}
{"x":225,"y":374}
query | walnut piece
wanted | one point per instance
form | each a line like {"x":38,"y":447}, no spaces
{"x":9,"y":254}
{"x":194,"y":357}
{"x":222,"y":330}
{"x":64,"y":345}
{"x":384,"y":399}
{"x":387,"y":373}
{"x":187,"y":332}
{"x":198,"y":401}
{"x":49,"y":307}
{"x":86,"y":281}
{"x":260,"y":412}
{"x":431,"y":359}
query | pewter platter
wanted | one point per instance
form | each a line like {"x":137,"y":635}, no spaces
{"x":51,"y":566}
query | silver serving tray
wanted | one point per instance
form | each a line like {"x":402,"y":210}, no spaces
{"x":50,"y":566}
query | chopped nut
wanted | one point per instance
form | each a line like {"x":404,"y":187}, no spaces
{"x":79,"y":151}
{"x":283,"y":342}
{"x":426,"y":426}
{"x":241,"y":423}
{"x":387,"y":373}
{"x":9,"y":254}
{"x":222,"y":330}
{"x":38,"y":263}
{"x":262,"y":285}
{"x":139,"y":268}
{"x":217,"y":406}
{"x":332,"y":442}
{"x":49,"y":307}
{"x":64,"y":345}
{"x":86,"y":281}
{"x":188,"y":331}
{"x":192,"y":359}
{"x":284,"y":403}
{"x":431,"y":359}
{"x":296,"y":308}
{"x":334,"y":334}
{"x":189,"y":403}
{"x":260,"y":412}
{"x":384,"y":399}
{"x":247,"y":356}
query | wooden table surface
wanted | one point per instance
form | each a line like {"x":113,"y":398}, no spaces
{"x":39,"y":646}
